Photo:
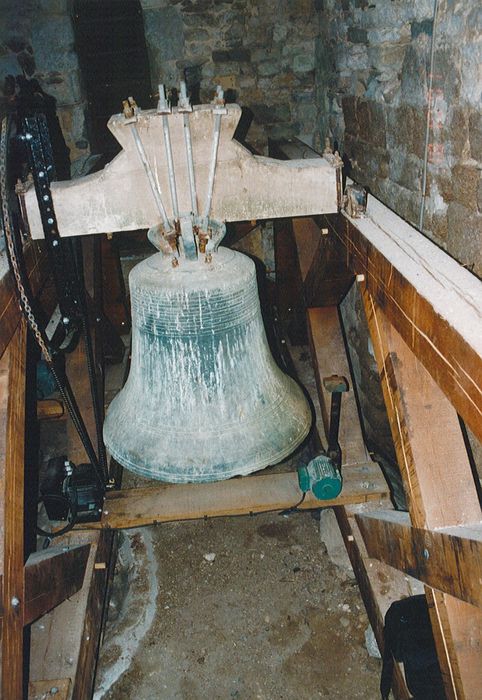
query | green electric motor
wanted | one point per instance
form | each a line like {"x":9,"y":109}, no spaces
{"x":321,"y":477}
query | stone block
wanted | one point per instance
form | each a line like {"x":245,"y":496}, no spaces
{"x":425,"y":26}
{"x":414,"y":86}
{"x":65,"y":87}
{"x":279,"y":32}
{"x":240,"y":55}
{"x":387,"y":58}
{"x":53,"y":44}
{"x":164,"y":32}
{"x":439,"y":227}
{"x":267,"y":68}
{"x":303,"y":63}
{"x":227,"y":68}
{"x":404,"y":202}
{"x":465,"y":185}
{"x":350,"y":114}
{"x":464,"y":237}
{"x":406,"y":126}
{"x":196,"y":35}
{"x":405,"y":169}
{"x":458,"y":133}
{"x":389,"y":35}
{"x":363,"y":119}
{"x":475,"y":134}
{"x":356,"y":35}
{"x":271,"y":114}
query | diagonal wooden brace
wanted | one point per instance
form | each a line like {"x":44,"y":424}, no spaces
{"x":448,"y":559}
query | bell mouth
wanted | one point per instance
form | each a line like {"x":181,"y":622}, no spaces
{"x":183,"y":456}
{"x":205,"y":400}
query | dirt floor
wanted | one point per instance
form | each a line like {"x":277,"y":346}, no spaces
{"x":247,"y":607}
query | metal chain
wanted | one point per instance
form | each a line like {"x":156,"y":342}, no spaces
{"x":24,"y":301}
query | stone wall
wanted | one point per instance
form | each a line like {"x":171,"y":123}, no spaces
{"x":373,"y":68}
{"x":37,"y":39}
{"x":262,"y":52}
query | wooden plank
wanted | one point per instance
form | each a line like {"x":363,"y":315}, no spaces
{"x":379,"y":585}
{"x":240,"y":496}
{"x":329,"y":357}
{"x":64,"y":642}
{"x":58,"y":689}
{"x":12,"y":452}
{"x":50,"y":409}
{"x":51,"y":576}
{"x":449,"y":559}
{"x":432,"y":301}
{"x":439,"y":483}
{"x":92,"y":627}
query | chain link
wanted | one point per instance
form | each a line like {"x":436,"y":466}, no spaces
{"x":24,"y":302}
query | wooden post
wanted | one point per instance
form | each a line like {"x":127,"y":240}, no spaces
{"x":440,"y":488}
{"x":12,"y":450}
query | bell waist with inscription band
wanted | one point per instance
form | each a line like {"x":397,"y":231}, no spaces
{"x":204,"y":399}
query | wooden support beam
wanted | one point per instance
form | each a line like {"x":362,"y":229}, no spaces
{"x":239,"y":496}
{"x":12,"y":453}
{"x":431,"y":300}
{"x":440,"y":487}
{"x":51,"y":576}
{"x":379,"y":584}
{"x":449,"y":559}
{"x":65,"y":641}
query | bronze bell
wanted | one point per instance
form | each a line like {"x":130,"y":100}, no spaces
{"x":204,"y":400}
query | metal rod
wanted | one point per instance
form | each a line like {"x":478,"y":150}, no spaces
{"x":190,"y":163}
{"x":429,"y":119}
{"x":170,"y":166}
{"x":155,"y":188}
{"x":212,"y":168}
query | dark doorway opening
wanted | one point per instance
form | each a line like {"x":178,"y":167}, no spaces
{"x":112,"y":52}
